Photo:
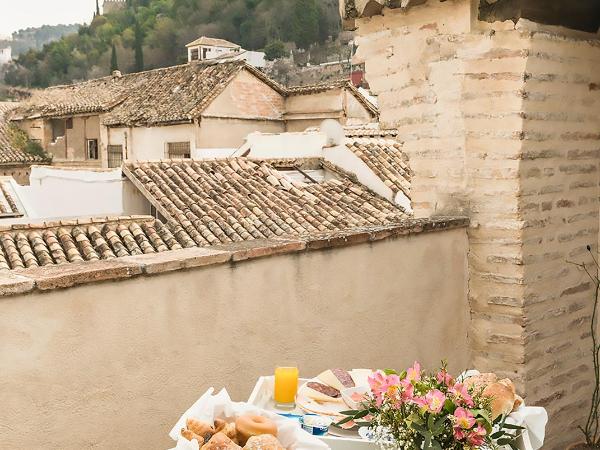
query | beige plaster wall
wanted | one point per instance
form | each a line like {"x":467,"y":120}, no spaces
{"x":113,"y":365}
{"x":217,"y":132}
{"x":248,"y":97}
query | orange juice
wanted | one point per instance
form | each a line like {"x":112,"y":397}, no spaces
{"x":286,"y":385}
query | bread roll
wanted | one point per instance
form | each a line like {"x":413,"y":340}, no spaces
{"x":263,"y":442}
{"x":477,"y":383}
{"x":503,"y":399}
{"x":220,"y":442}
{"x":219,"y":424}
{"x":201,"y":428}
{"x":252,"y":425}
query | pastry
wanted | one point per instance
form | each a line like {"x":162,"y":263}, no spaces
{"x":189,"y":435}
{"x":219,"y":425}
{"x":201,"y":428}
{"x":230,"y":431}
{"x":220,"y":442}
{"x":263,"y":442}
{"x":503,"y":398}
{"x":251,"y":425}
{"x":477,"y":383}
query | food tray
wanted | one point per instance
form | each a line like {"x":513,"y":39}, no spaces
{"x":262,"y":396}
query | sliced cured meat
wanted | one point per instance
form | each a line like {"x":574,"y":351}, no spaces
{"x":324,"y":389}
{"x":344,"y":377}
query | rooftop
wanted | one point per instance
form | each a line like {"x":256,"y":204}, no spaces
{"x":69,"y":241}
{"x":165,"y":96}
{"x":213,"y":42}
{"x":8,"y":153}
{"x":386,"y":159}
{"x":232,"y":200}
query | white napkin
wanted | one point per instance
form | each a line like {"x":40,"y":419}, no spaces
{"x":209,"y":406}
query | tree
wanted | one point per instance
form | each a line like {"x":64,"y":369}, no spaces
{"x":138,"y":48}
{"x":114,"y":63}
{"x":97,"y":8}
{"x":275,"y":50}
{"x":305,"y":22}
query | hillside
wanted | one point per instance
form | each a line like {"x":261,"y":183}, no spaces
{"x":153,"y":33}
{"x":35,"y":38}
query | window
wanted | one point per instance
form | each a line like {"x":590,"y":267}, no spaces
{"x":194,"y":54}
{"x":178,"y":150}
{"x":69,"y":123}
{"x":204,"y":51}
{"x":115,"y":156}
{"x":92,"y":148}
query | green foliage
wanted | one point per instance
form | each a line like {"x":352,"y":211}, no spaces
{"x":275,"y":50}
{"x":20,"y":140}
{"x":153,"y":33}
{"x":114,"y":62}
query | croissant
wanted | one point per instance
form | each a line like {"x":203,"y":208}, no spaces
{"x":189,"y":435}
{"x":200,"y":428}
{"x":219,"y":424}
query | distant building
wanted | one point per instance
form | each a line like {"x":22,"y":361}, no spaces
{"x":205,"y":48}
{"x":5,"y":55}
{"x":110,"y":6}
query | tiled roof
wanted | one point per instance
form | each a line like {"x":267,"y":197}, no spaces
{"x":8,"y":153}
{"x":156,"y":97}
{"x":230,"y":200}
{"x":94,"y":96}
{"x":386,"y":159}
{"x":214,"y":42}
{"x":8,"y":203}
{"x":368,"y":131}
{"x":174,"y":94}
{"x":24,"y":246}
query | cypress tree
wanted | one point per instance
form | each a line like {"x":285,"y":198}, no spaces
{"x":138,"y":49}
{"x":114,"y":63}
{"x":97,"y":8}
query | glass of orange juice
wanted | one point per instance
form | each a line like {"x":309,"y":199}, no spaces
{"x":286,"y":386}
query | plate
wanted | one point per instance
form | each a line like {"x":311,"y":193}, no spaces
{"x":335,"y":406}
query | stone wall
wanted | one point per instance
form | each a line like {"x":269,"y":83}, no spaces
{"x":501,"y":123}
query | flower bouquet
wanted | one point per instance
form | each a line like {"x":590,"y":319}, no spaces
{"x":415,"y":410}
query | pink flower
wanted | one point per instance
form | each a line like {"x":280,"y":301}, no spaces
{"x":461,"y":394}
{"x":383,"y":384}
{"x":433,"y":401}
{"x":408,"y":390}
{"x":445,"y":378}
{"x":463,"y":419}
{"x":476,"y":438}
{"x":414,"y":373}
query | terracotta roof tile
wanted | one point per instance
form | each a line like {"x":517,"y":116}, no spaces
{"x":209,"y":202}
{"x":386,"y":159}
{"x":8,"y":153}
{"x":52,"y":243}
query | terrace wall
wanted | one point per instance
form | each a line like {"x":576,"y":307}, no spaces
{"x":114,"y":364}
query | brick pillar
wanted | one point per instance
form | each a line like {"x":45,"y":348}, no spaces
{"x":502,"y":123}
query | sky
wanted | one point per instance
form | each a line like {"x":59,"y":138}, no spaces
{"x":17,"y":14}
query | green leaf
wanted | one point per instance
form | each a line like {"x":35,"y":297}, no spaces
{"x":438,"y":426}
{"x":350,"y":412}
{"x":403,"y":374}
{"x":361,"y":414}
{"x":345,"y":420}
{"x":450,"y":406}
{"x":390,"y":372}
{"x":504,"y":441}
{"x":497,"y":434}
{"x":510,"y":426}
